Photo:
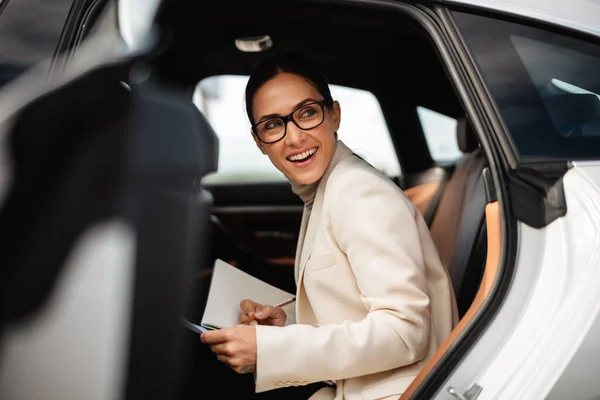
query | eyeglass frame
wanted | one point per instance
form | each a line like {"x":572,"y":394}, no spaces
{"x":323,"y":103}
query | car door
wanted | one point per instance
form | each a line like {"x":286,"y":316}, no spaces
{"x":536,"y":100}
{"x":101,"y":223}
{"x":30,"y":31}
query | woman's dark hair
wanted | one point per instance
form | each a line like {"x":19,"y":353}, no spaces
{"x":290,"y":63}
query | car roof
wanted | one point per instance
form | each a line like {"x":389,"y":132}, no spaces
{"x":580,"y":15}
{"x":358,"y":48}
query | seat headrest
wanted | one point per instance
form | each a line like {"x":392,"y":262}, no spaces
{"x":175,"y":140}
{"x":465,"y":136}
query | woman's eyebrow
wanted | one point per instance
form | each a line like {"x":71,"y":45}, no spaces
{"x":269,"y":116}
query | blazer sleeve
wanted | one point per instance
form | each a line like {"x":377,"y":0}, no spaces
{"x":375,"y":226}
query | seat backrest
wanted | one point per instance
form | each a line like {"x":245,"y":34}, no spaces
{"x":458,"y":224}
{"x":100,"y":231}
{"x":425,"y":193}
{"x":492,"y":263}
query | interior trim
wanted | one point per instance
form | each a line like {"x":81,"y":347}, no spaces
{"x":492,"y":265}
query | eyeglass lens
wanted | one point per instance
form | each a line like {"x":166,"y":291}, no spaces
{"x":306,"y":117}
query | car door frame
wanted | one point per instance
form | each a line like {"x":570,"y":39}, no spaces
{"x":78,"y":25}
{"x":492,"y":326}
{"x":469,"y":93}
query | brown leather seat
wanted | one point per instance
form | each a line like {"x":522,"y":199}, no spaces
{"x":458,"y":225}
{"x":422,"y":195}
{"x":427,"y":192}
{"x":492,"y":263}
{"x":467,"y":231}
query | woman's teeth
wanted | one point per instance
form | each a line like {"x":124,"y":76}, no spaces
{"x":302,"y":156}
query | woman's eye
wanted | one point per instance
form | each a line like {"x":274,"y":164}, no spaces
{"x":273,"y":124}
{"x":307,"y":112}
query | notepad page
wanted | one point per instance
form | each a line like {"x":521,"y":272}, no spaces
{"x":229,"y":286}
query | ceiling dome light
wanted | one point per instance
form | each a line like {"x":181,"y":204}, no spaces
{"x":254,"y":44}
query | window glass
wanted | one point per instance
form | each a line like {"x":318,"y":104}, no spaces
{"x":546,"y":86}
{"x":221,"y":99}
{"x":29,"y":34}
{"x":440,"y":133}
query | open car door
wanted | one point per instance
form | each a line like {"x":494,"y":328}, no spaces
{"x":101,"y":216}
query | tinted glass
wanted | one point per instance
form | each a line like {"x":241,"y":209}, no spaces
{"x":29,"y":33}
{"x":546,"y":86}
{"x":440,"y":134}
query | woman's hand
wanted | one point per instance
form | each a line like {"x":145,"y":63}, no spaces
{"x":234,"y":346}
{"x":259,"y":314}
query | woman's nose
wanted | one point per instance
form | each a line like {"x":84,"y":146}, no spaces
{"x":294,"y":135}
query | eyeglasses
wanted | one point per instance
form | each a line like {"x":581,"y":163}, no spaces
{"x":305,"y":117}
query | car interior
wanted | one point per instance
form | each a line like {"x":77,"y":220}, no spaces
{"x":387,"y":52}
{"x":254,"y":225}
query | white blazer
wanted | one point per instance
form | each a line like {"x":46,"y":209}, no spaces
{"x":374,"y":301}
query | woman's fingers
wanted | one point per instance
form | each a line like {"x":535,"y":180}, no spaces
{"x":251,"y":311}
{"x":254,"y":313}
{"x":264,"y":312}
{"x":249,"y":306}
{"x":246,"y":319}
{"x":242,"y":318}
{"x":222,"y":358}
{"x":221,"y":348}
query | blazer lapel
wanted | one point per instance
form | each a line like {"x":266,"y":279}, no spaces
{"x":300,"y":244}
{"x":305,"y":247}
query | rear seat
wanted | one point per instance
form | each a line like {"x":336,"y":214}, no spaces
{"x":426,"y":191}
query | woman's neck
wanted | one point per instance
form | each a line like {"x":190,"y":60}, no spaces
{"x":307,"y":192}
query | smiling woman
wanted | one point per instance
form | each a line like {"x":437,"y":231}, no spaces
{"x":366,"y":270}
{"x":309,"y":145}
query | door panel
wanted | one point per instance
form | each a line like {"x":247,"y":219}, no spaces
{"x":269,"y":231}
{"x":101,"y":210}
{"x":256,"y":226}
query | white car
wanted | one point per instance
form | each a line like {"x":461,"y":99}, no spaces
{"x":127,"y":166}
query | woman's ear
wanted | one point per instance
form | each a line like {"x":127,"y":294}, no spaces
{"x":336,"y":115}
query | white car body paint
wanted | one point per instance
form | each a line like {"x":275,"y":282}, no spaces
{"x":580,"y":15}
{"x":542,"y":335}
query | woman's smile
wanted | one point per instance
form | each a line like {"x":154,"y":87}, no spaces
{"x":303,"y":158}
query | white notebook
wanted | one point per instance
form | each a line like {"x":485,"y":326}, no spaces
{"x":229,"y":286}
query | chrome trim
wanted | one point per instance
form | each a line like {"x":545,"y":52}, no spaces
{"x":584,"y":163}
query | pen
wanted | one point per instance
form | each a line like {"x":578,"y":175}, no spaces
{"x":283,"y":303}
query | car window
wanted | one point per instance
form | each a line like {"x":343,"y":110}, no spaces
{"x":546,"y":86}
{"x":29,"y":34}
{"x":440,"y":134}
{"x":221,"y":99}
